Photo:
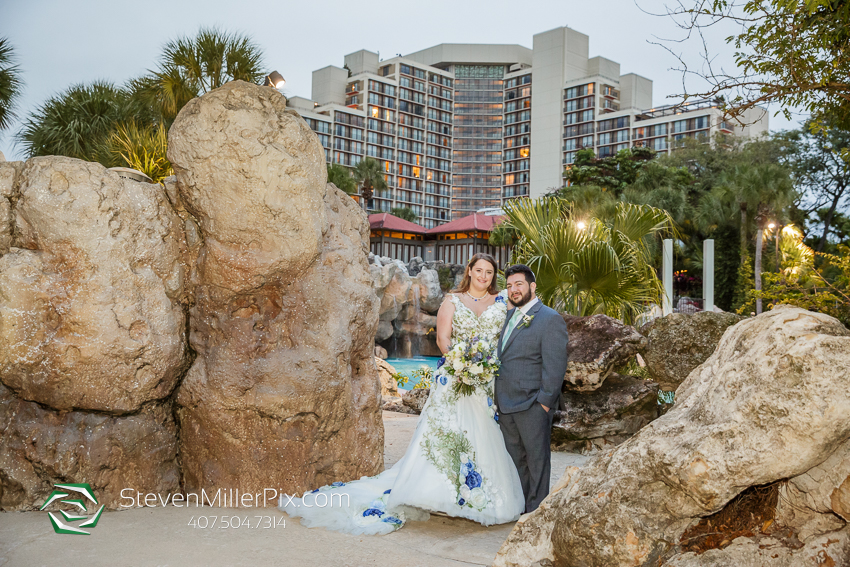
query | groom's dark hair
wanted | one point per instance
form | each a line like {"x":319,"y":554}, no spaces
{"x":520,"y":269}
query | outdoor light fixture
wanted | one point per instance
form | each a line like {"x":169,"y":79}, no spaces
{"x":274,"y":79}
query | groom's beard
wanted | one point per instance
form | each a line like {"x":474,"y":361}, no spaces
{"x":523,"y":300}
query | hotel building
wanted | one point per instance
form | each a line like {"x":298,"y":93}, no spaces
{"x":463,"y":127}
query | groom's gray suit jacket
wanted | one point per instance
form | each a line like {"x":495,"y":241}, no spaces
{"x":533,"y":361}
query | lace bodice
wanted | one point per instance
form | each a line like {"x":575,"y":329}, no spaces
{"x":465,"y":324}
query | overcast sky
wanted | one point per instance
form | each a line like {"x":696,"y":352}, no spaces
{"x":62,"y":42}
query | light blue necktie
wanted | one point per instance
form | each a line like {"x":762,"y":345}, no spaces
{"x":511,"y":326}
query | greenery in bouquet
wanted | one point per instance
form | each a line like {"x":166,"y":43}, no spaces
{"x":471,"y":364}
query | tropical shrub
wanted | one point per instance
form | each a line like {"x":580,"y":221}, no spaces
{"x":590,"y":265}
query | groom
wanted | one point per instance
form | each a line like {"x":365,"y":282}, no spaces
{"x":533,"y":353}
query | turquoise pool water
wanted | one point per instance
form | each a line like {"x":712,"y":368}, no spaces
{"x":406,"y":366}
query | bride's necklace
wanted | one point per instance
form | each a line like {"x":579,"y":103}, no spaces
{"x":486,"y":293}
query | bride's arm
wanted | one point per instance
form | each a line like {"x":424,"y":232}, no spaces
{"x":444,"y":325}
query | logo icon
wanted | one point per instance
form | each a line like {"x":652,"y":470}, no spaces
{"x":62,"y":492}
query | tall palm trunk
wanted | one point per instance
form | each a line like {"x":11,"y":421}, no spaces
{"x":759,"y":238}
{"x":743,"y":233}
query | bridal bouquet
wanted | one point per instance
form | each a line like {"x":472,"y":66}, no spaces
{"x":472,"y":364}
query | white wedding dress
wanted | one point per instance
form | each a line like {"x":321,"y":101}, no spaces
{"x":456,"y":462}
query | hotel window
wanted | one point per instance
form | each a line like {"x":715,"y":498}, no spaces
{"x":680,"y":126}
{"x":523,"y":152}
{"x":659,"y":144}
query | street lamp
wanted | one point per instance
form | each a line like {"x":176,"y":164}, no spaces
{"x":274,"y":79}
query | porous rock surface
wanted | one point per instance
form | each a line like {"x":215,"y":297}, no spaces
{"x":591,"y":421}
{"x":90,"y":297}
{"x":597,"y":345}
{"x":284,"y":392}
{"x":771,"y":403}
{"x":92,"y":331}
{"x":679,"y":342}
{"x":408,"y":306}
{"x":40,"y":447}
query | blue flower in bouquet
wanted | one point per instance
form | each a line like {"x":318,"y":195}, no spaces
{"x":443,"y":380}
{"x":372,"y":512}
{"x":466,"y":468}
{"x":478,"y":357}
{"x":473,"y":479}
{"x":461,"y":502}
{"x":475,"y":339}
{"x":441,"y":362}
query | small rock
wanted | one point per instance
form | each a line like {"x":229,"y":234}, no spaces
{"x":607,"y":416}
{"x":389,"y":387}
{"x":380,"y":352}
{"x":415,"y":399}
{"x":678,"y":343}
{"x":596,"y":346}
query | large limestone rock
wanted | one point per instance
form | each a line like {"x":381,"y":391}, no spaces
{"x":9,"y":180}
{"x":591,"y":421}
{"x":90,"y":301}
{"x":678,"y":343}
{"x":771,"y":403}
{"x":92,"y":332}
{"x":284,"y":392}
{"x":40,"y":447}
{"x":597,"y":345}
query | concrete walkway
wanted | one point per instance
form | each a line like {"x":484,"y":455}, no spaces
{"x":163,"y":536}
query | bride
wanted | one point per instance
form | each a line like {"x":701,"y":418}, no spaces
{"x":456,"y":463}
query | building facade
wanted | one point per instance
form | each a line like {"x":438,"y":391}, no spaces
{"x":461,"y":127}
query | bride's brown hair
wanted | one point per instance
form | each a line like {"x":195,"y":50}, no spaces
{"x":465,"y":283}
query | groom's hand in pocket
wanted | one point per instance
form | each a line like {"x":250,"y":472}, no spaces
{"x":544,"y":408}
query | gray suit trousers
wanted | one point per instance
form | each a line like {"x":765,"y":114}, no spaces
{"x":527,"y":436}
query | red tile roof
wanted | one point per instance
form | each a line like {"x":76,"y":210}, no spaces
{"x":386,"y":221}
{"x":474,"y":222}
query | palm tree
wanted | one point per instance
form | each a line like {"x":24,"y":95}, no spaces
{"x":589,"y":265}
{"x":766,"y":189}
{"x":341,"y":177}
{"x":370,"y":177}
{"x":775,"y":192}
{"x":78,"y":123}
{"x":10,"y":83}
{"x":190,"y":67}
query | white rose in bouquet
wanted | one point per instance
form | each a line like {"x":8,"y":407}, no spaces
{"x":476,"y":369}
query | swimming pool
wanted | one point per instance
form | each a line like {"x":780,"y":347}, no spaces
{"x":406,"y":366}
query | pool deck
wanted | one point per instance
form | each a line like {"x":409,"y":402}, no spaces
{"x":162,"y":536}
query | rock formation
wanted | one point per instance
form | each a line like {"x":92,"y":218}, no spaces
{"x":284,"y":392}
{"x":92,"y":331}
{"x":409,"y":305}
{"x":678,"y":343}
{"x":97,"y":276}
{"x":591,"y":421}
{"x":597,"y":345}
{"x":771,"y":403}
{"x":389,"y":387}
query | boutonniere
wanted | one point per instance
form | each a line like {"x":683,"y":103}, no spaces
{"x":526,"y":320}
